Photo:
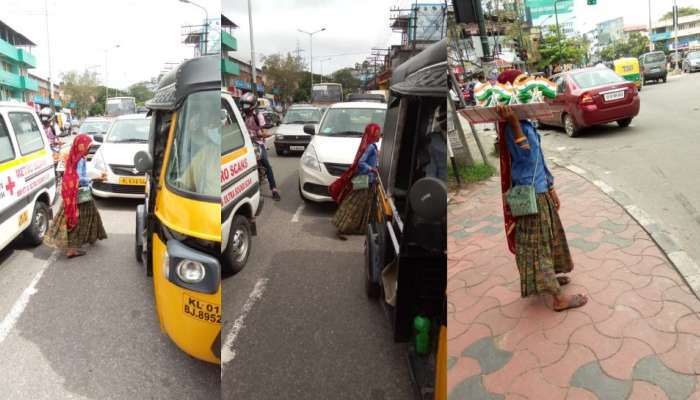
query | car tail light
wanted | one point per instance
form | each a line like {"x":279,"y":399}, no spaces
{"x":585,"y":98}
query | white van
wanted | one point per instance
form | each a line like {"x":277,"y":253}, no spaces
{"x":27,"y":179}
{"x":240,"y":188}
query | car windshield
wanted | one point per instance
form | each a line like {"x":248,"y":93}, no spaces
{"x":302,"y":116}
{"x":350,"y":121}
{"x":655,"y":57}
{"x":94,"y":127}
{"x":694,"y":55}
{"x":193,"y":164}
{"x":129,"y":131}
{"x":597,"y":77}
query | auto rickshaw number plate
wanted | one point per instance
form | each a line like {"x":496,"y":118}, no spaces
{"x":128,"y":180}
{"x":201,"y":310}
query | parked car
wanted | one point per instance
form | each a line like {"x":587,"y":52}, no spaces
{"x":691,"y":62}
{"x":592,"y":96}
{"x":333,"y":147}
{"x":290,"y":135}
{"x":653,"y":66}
{"x":127,"y":135}
{"x":94,"y":126}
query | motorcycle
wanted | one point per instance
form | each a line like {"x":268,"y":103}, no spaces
{"x":262,"y":172}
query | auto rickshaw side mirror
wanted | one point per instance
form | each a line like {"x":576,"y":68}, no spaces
{"x":143,"y":161}
{"x":99,"y":138}
{"x":428,"y":198}
{"x":310,"y":129}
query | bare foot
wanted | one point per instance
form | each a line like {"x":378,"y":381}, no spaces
{"x":564,"y":303}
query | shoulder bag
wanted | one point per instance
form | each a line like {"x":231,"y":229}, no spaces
{"x":522,"y":199}
{"x":84,"y":194}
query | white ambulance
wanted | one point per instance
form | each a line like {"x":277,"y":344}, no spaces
{"x":240,"y":188}
{"x":27,"y":178}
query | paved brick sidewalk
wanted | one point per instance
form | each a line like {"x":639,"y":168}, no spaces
{"x":637,"y":338}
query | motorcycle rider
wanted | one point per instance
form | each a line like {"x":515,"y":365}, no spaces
{"x":254,"y":121}
{"x":46,"y":116}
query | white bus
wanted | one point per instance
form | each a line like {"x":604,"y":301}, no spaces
{"x":117,"y":106}
{"x":326,"y":93}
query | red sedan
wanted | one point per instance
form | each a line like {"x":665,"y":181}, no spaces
{"x":592,"y":96}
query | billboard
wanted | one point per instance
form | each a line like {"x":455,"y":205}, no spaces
{"x":541,"y":13}
{"x":430,"y":22}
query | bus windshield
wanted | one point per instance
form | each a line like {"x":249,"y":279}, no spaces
{"x":193,"y":165}
{"x":327,"y":93}
{"x":117,"y":106}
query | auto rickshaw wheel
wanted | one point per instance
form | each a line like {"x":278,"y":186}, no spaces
{"x":238,"y":246}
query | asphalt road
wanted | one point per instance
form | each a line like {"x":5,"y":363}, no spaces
{"x":90,"y":329}
{"x":297,"y":323}
{"x":654,"y":161}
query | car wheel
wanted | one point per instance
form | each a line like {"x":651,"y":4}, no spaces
{"x":238,"y":247}
{"x":664,"y":78}
{"x":34,"y":234}
{"x":624,"y":123}
{"x":279,"y":151}
{"x":570,"y":126}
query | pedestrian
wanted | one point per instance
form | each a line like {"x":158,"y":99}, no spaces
{"x":354,"y":190}
{"x":77,"y":221}
{"x":538,"y":241}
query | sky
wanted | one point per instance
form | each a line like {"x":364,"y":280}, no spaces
{"x":147,"y":31}
{"x":353,"y":27}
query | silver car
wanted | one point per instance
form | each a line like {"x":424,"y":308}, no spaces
{"x":691,"y":62}
{"x":653,"y":66}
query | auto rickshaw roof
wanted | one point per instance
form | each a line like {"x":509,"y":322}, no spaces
{"x":424,"y":74}
{"x":194,"y":75}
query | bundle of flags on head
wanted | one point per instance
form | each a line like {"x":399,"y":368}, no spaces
{"x":524,"y":90}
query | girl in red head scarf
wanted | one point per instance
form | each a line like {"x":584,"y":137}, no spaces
{"x":538,"y":241}
{"x":76,"y":223}
{"x":353,"y":212}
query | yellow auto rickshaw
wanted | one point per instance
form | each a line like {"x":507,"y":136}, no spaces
{"x":178,"y":228}
{"x":406,"y":242}
{"x":628,"y":68}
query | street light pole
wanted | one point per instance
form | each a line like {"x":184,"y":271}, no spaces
{"x":651,"y":40}
{"x":252,"y":50}
{"x":203,"y":50}
{"x":556,"y":17}
{"x":48,"y":48}
{"x":311,"y":54}
{"x":675,"y":33}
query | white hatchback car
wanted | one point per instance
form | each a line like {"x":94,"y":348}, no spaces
{"x":127,"y":135}
{"x":332,"y":149}
{"x":290,"y":135}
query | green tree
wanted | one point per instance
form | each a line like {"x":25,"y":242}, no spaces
{"x":634,"y":45}
{"x":285,"y":72}
{"x":81,"y":88}
{"x":682,"y":12}
{"x":345,"y":78}
{"x":140,"y":92}
{"x":561,"y":50}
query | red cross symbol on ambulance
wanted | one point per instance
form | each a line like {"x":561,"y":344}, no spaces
{"x":10,"y":186}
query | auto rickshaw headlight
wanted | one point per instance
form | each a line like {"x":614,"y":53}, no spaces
{"x":190,"y":271}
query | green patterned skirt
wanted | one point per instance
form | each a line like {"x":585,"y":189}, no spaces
{"x":88,"y":230}
{"x":353,"y":214}
{"x":541,"y":250}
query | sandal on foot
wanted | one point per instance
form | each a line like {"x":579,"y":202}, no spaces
{"x":575,"y":301}
{"x":340,"y":236}
{"x":78,"y":253}
{"x":563,"y":280}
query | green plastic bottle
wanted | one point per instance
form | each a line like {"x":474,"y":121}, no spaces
{"x":422,"y":326}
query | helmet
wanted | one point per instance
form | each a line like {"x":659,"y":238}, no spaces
{"x":46,"y":115}
{"x":248,"y":101}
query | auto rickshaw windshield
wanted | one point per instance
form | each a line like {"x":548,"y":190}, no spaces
{"x":194,"y":156}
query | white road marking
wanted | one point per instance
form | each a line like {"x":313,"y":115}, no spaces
{"x":295,"y":217}
{"x":21,"y":303}
{"x":561,"y":148}
{"x":576,"y":169}
{"x":228,"y":353}
{"x":604,"y":187}
{"x":640,"y":215}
